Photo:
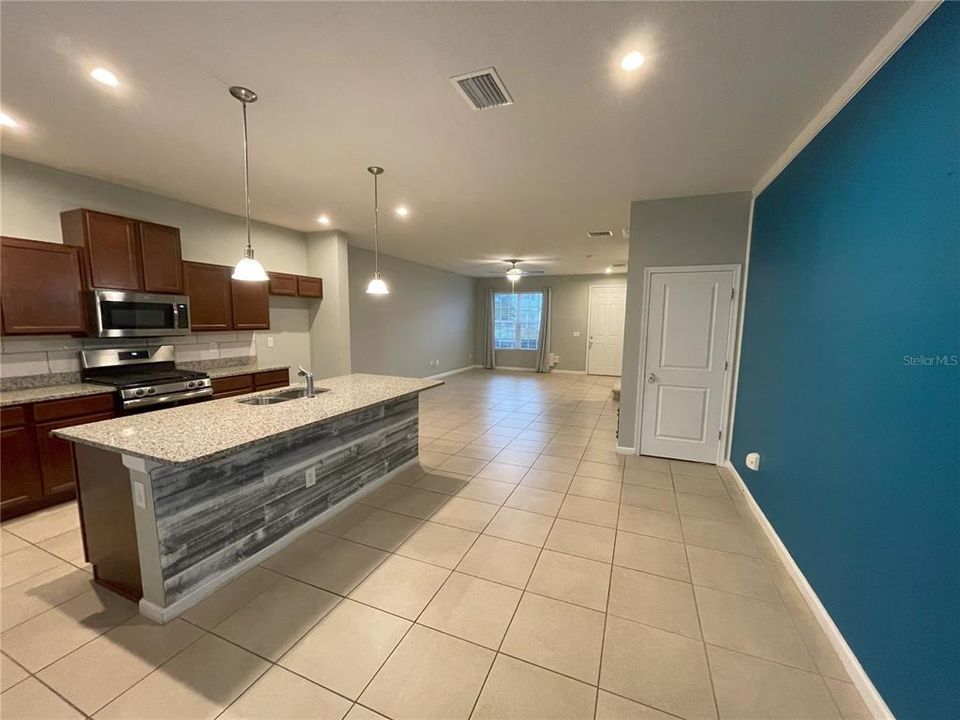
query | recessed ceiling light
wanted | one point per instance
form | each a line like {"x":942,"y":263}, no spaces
{"x":608,"y":270}
{"x":7,"y":121}
{"x":402,"y":211}
{"x":102,"y":75}
{"x":324,"y":219}
{"x":631,"y":61}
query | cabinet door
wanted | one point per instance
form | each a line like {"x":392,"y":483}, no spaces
{"x":283,"y":284}
{"x":56,"y":456}
{"x":18,"y":466}
{"x":208,"y":286}
{"x":113,"y":253}
{"x":311,"y":287}
{"x":40,"y":288}
{"x":233,"y":385}
{"x":160,"y":254}
{"x":251,"y":305}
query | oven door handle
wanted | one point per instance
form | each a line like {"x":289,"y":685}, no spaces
{"x":160,"y":399}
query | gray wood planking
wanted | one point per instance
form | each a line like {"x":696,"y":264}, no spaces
{"x":214,"y":515}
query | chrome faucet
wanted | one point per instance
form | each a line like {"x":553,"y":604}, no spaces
{"x":304,"y":373}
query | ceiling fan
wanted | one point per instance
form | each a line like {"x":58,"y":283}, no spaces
{"x":515,"y":273}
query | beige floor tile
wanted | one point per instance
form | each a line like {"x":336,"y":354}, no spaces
{"x":547,"y":480}
{"x":848,"y":700}
{"x":709,"y":486}
{"x":590,"y":510}
{"x":645,"y":521}
{"x":572,"y":579}
{"x":24,"y":564}
{"x":500,"y":560}
{"x":49,"y":636}
{"x":652,"y":555}
{"x":588,"y":541}
{"x":473,"y":609}
{"x":274,"y":620}
{"x":517,"y":457}
{"x":401,"y":586}
{"x":719,"y":535}
{"x":480,"y":452}
{"x":544,"y":502}
{"x":530,"y":446}
{"x":10,"y":673}
{"x":463,"y":465}
{"x":346,"y":648}
{"x":520,"y":525}
{"x":96,"y":673}
{"x":356,"y":512}
{"x":556,"y":635}
{"x":645,"y":462}
{"x":445,"y":445}
{"x":711,"y":508}
{"x":11,"y":543}
{"x":466,"y":514}
{"x":281,"y":694}
{"x":751,"y":626}
{"x":45,"y":524}
{"x":654,"y":600}
{"x":68,"y":547}
{"x":614,"y":707}
{"x":382,"y":529}
{"x":446,"y":483}
{"x":430,"y":676}
{"x":224,"y":602}
{"x":438,"y":544}
{"x":732,"y":573}
{"x":600,"y":471}
{"x":38,"y":593}
{"x":748,"y":687}
{"x":409,"y":475}
{"x":607,"y":457}
{"x":359,"y":712}
{"x":647,"y":478}
{"x":650,"y":498}
{"x":30,"y":700}
{"x":569,"y":452}
{"x":198,"y":683}
{"x":516,"y":689}
{"x":327,"y":562}
{"x":488,"y":491}
{"x":657,"y":668}
{"x":417,"y":503}
{"x":554,"y":463}
{"x":693,"y":469}
{"x":593,"y":488}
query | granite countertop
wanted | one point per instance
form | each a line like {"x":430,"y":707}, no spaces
{"x":195,"y":433}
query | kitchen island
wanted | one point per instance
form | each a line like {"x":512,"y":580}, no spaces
{"x":177,"y":502}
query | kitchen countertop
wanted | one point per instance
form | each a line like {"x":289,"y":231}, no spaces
{"x":59,"y":392}
{"x":195,"y":433}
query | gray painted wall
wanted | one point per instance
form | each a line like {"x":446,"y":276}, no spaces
{"x":699,"y":230}
{"x":569,"y":315}
{"x":429,"y":314}
{"x":330,"y":319}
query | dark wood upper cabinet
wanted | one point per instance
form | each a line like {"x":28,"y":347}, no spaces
{"x":160,"y":254}
{"x":41,"y":290}
{"x":111,"y":248}
{"x":211,"y":297}
{"x":283,"y":284}
{"x":311,"y":287}
{"x":251,"y":305}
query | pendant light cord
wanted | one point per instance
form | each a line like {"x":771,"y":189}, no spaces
{"x":376,"y":229}
{"x":246,"y":173}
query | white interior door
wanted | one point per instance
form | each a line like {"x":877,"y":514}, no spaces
{"x":605,"y":329}
{"x":688,"y":328}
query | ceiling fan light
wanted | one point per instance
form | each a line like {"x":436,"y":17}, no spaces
{"x":377,"y":286}
{"x":514,"y":274}
{"x":249,"y":269}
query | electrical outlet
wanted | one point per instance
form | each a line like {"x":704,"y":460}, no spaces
{"x":269,"y":341}
{"x":311,"y":476}
{"x":576,"y":333}
{"x":139,"y":495}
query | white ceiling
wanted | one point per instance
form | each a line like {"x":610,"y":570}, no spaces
{"x":726,"y":87}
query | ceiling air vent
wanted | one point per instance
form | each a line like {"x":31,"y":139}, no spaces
{"x":600,"y":234}
{"x":482,"y":89}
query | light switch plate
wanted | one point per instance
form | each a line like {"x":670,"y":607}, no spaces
{"x":311,"y":476}
{"x":576,"y":333}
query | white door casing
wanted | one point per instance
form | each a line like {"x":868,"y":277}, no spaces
{"x":690,"y":313}
{"x":605,"y":321}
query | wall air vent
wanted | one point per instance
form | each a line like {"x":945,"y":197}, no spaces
{"x":595,"y":234}
{"x":482,"y":89}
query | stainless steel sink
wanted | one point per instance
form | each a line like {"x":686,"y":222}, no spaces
{"x":279,"y":397}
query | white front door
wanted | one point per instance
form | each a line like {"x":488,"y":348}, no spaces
{"x":605,"y":329}
{"x":688,"y":328}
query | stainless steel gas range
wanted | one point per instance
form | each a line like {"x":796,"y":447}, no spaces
{"x":145,"y":378}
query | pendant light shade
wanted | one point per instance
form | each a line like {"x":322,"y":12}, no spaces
{"x":376,"y":286}
{"x":249,"y":268}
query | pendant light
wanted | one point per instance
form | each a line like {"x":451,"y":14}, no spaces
{"x":376,"y":286}
{"x":248,"y":269}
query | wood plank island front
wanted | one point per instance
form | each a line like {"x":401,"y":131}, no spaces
{"x":177,"y":502}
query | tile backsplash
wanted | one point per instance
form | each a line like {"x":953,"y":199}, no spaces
{"x":56,"y":359}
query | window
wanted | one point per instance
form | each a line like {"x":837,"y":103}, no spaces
{"x":516,"y":320}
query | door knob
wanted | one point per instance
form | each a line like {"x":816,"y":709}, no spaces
{"x":651,"y":378}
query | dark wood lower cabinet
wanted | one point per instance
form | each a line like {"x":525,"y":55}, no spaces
{"x":21,"y":488}
{"x":57,"y":467}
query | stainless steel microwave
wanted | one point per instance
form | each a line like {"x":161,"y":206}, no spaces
{"x":117,"y":313}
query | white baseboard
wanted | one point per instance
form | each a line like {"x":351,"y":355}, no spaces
{"x":165,"y":614}
{"x":569,"y":372}
{"x":452,"y":372}
{"x":875,"y":703}
{"x":514,"y":369}
{"x":621,"y":450}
